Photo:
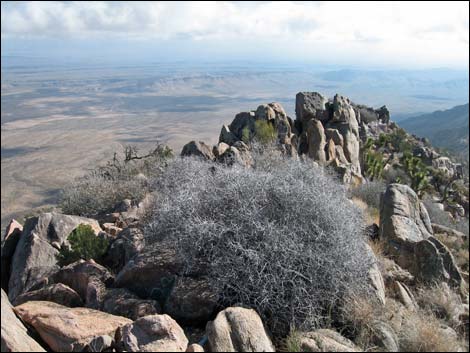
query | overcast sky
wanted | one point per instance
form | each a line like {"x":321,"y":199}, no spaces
{"x":398,"y":34}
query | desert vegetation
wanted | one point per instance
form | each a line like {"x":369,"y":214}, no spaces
{"x":84,"y":245}
{"x":124,"y":177}
{"x":280,"y":237}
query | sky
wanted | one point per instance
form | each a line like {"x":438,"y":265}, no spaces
{"x":376,"y":34}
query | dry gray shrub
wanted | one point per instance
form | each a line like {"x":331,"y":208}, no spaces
{"x":280,"y":237}
{"x":124,"y":177}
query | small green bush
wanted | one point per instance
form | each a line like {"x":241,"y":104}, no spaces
{"x":84,"y":244}
{"x":265,"y":133}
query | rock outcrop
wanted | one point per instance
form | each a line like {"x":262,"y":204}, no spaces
{"x":154,"y":333}
{"x":15,"y":336}
{"x":10,"y":240}
{"x":122,"y":302}
{"x":35,"y":254}
{"x":326,"y":340}
{"x":152,"y":273}
{"x":191,"y":301}
{"x":238,"y":330}
{"x":58,"y":293}
{"x":198,"y":149}
{"x":88,"y":279}
{"x":127,"y":244}
{"x":406,"y":228}
{"x":68,"y":329}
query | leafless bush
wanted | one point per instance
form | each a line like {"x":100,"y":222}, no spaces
{"x":280,"y":237}
{"x":124,"y":177}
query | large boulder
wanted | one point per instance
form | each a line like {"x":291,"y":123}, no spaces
{"x":35,"y":254}
{"x":316,"y":141}
{"x":226,"y":136}
{"x":434,"y":263}
{"x":68,"y":329}
{"x":122,"y":302}
{"x":15,"y":336}
{"x":88,"y":279}
{"x":151,"y":274}
{"x":243,"y":123}
{"x":191,"y":301}
{"x":326,"y":340}
{"x":127,"y":244}
{"x":238,"y":330}
{"x":377,"y":283}
{"x":404,"y":222}
{"x":310,"y":105}
{"x":9,"y":241}
{"x":58,"y":293}
{"x":198,"y":149}
{"x":367,"y":114}
{"x":153,"y":333}
{"x":407,"y":231}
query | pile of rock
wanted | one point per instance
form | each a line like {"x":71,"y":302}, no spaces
{"x":327,"y":131}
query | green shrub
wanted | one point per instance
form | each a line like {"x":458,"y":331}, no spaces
{"x":417,"y":171}
{"x":84,"y":244}
{"x":373,"y":164}
{"x":265,"y":133}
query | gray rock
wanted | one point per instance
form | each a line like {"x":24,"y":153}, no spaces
{"x":87,"y":278}
{"x":440,"y":229}
{"x":310,"y":105}
{"x":326,"y":340}
{"x":429,"y":264}
{"x":238,"y":330}
{"x":122,"y":302}
{"x":243,"y":121}
{"x":153,"y":333}
{"x":151,"y":274}
{"x":367,"y":114}
{"x":384,"y":336}
{"x":335,"y":135}
{"x":404,"y":222}
{"x":100,"y":344}
{"x":58,"y":293}
{"x":227,"y":136}
{"x":384,"y":114}
{"x":377,"y":283}
{"x":192,"y":301}
{"x":404,"y":295}
{"x":220,"y":149}
{"x":15,"y":336}
{"x":198,"y":149}
{"x":234,"y":155}
{"x":316,"y":141}
{"x":35,"y":256}
{"x":9,"y":241}
{"x":127,"y":244}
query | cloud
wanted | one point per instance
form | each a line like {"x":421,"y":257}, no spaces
{"x":411,"y":30}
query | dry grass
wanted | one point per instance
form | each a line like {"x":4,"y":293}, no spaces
{"x":292,"y":343}
{"x":371,"y":214}
{"x":423,"y":332}
{"x":440,"y":300}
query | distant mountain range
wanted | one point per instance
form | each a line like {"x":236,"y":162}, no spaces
{"x":446,"y":129}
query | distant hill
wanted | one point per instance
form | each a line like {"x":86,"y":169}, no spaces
{"x":444,"y":128}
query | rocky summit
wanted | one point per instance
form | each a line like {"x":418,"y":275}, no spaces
{"x":334,"y":231}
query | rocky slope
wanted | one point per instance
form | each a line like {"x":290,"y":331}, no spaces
{"x":140,"y":298}
{"x":444,"y":128}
